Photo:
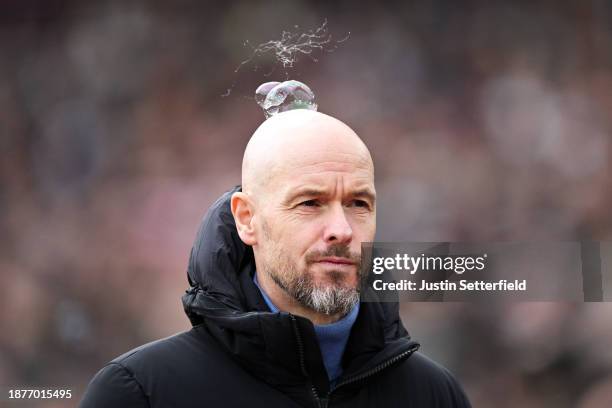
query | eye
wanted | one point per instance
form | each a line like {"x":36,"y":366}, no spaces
{"x":360,"y":204}
{"x":309,"y":203}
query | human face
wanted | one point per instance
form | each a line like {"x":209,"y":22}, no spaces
{"x":319,"y":207}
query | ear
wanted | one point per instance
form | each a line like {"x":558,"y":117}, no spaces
{"x":242,"y":210}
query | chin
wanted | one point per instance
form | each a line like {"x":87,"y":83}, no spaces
{"x":336,"y":278}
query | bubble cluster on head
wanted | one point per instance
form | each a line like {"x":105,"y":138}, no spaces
{"x":276,"y":97}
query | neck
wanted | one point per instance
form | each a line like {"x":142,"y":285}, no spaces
{"x":288,"y":304}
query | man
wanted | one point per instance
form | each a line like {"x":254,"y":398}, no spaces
{"x":278,"y":322}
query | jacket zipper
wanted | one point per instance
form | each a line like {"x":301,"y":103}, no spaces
{"x":376,"y":369}
{"x":371,"y":372}
{"x":324,"y":403}
{"x":298,"y":338}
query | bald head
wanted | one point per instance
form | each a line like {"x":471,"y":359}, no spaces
{"x":295,"y":137}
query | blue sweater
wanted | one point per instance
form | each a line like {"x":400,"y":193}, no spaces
{"x":332,"y":337}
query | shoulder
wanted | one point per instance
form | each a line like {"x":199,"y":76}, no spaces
{"x":114,"y":386}
{"x":128,"y":380}
{"x":159,"y":353}
{"x":431,"y":382}
{"x":427,"y":368}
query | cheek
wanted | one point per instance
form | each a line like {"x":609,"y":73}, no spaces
{"x":293,"y":238}
{"x":364,"y":228}
{"x":302,"y":228}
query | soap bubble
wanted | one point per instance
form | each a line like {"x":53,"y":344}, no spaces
{"x":263,"y":90}
{"x":275,"y":97}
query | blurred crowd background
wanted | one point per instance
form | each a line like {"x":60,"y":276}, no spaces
{"x":487,"y":120}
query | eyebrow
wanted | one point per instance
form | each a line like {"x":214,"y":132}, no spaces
{"x":366,"y":193}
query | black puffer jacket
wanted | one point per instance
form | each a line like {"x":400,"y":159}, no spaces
{"x":239,"y":354}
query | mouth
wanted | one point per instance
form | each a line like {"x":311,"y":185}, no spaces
{"x":336,"y":261}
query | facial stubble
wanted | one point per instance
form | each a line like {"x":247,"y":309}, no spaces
{"x":332,"y":298}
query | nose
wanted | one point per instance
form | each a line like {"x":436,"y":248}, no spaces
{"x":337,"y":229}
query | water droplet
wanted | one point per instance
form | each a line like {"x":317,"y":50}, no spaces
{"x":275,"y":97}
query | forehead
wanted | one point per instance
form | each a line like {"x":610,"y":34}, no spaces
{"x":324,"y":168}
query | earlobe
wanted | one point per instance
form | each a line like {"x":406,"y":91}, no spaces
{"x":243,"y":216}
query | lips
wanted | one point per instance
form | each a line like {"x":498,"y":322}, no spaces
{"x":336,"y":261}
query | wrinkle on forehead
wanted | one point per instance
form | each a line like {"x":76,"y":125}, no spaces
{"x":303,"y":141}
